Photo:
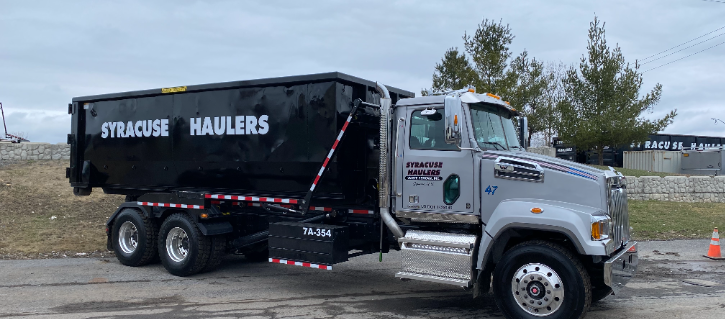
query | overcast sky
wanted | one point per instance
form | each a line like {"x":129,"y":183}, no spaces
{"x":52,"y":51}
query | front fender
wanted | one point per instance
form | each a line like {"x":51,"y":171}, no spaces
{"x":572,"y":220}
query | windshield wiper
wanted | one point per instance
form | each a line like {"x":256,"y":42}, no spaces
{"x":495,"y":144}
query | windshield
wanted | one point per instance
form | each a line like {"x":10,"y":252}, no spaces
{"x":493,"y":127}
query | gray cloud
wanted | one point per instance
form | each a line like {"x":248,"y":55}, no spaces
{"x":53,"y":50}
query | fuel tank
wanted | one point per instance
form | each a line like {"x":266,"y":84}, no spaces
{"x":260,"y":137}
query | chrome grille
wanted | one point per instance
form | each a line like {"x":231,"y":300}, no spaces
{"x":516,"y":169}
{"x":619,"y":212}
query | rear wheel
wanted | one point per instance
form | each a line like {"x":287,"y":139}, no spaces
{"x":217,"y":251}
{"x":541,"y":279}
{"x":183,"y":250}
{"x":133,"y":238}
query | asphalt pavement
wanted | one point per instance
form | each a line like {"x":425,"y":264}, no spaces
{"x":673,"y":281}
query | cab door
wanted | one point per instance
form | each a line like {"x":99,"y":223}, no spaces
{"x":437,"y":177}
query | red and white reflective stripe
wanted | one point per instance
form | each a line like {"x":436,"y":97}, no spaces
{"x":252,"y":198}
{"x":170,"y":205}
{"x":332,"y":151}
{"x":322,"y":209}
{"x":361,"y":211}
{"x":299,"y":263}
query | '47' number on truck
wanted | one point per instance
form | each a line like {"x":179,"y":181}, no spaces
{"x":317,"y":232}
{"x":491,"y":189}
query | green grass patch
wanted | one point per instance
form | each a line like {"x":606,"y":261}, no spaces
{"x":659,"y":220}
{"x":635,"y":172}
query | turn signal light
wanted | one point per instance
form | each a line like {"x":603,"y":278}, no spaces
{"x":455,"y":119}
{"x":537,"y":210}
{"x":596,"y":231}
{"x":204,"y":215}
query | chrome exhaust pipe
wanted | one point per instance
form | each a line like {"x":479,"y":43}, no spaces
{"x":384,"y":173}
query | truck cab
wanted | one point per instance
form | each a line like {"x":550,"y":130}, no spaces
{"x":553,"y":233}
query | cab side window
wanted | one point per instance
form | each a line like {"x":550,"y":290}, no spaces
{"x":427,"y":132}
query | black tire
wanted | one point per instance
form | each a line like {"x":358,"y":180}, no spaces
{"x":193,"y":256}
{"x":142,"y":233}
{"x":577,"y":295}
{"x":217,"y":252}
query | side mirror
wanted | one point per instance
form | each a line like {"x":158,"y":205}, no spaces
{"x":523,"y":131}
{"x":453,"y":120}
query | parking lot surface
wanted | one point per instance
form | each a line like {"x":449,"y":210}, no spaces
{"x":673,"y":281}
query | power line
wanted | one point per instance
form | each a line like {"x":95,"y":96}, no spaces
{"x":657,"y":67}
{"x":681,"y":44}
{"x":683,"y":49}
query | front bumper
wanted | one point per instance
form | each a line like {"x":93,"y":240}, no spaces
{"x":620,"y":268}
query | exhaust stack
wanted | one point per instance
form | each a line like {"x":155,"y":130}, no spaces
{"x":384,"y":173}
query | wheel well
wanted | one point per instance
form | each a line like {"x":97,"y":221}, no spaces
{"x":514,"y":236}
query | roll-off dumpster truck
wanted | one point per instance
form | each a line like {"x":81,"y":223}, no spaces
{"x":314,"y":170}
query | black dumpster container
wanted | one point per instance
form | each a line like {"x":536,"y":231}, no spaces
{"x":266,"y":136}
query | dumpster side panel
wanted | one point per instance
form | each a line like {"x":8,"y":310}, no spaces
{"x":257,"y":140}
{"x":119,"y":158}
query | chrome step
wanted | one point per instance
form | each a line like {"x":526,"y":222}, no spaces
{"x":438,"y":257}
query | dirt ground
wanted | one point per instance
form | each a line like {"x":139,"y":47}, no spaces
{"x":41,"y":218}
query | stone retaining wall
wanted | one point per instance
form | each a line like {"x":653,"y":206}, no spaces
{"x":33,"y":151}
{"x":677,"y":188}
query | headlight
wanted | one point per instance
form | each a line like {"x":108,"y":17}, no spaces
{"x":601,"y":227}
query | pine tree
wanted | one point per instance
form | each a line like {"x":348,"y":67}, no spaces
{"x":487,"y":66}
{"x":602,"y":105}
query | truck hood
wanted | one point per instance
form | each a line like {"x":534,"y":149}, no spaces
{"x":551,"y":163}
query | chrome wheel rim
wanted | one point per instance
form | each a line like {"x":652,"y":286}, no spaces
{"x":177,"y":244}
{"x":537,"y":289}
{"x":128,"y":237}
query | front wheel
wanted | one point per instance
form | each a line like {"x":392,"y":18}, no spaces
{"x":183,"y":249}
{"x":541,"y":279}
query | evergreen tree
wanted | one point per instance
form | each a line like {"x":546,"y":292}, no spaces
{"x":603,"y":105}
{"x":487,"y":66}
